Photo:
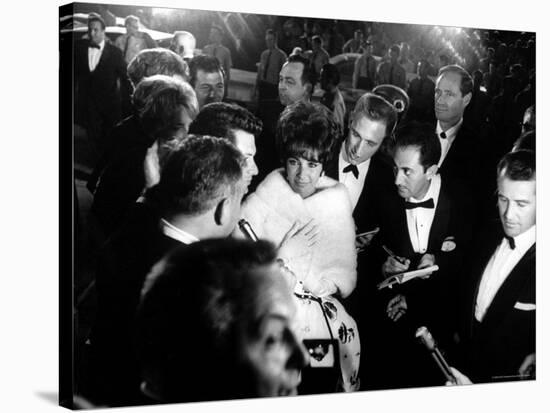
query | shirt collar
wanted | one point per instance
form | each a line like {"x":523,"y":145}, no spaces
{"x":177,"y":233}
{"x":525,"y":240}
{"x":451,"y":132}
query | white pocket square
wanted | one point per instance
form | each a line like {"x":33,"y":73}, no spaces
{"x":525,"y":306}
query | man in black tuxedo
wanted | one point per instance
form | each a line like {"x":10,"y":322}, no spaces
{"x":100,"y":76}
{"x":358,"y":164}
{"x":466,"y":159}
{"x":198,"y":197}
{"x":459,"y":149}
{"x":498,"y":334}
{"x":425,"y":223}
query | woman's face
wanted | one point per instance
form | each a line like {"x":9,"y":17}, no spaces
{"x":302,"y":175}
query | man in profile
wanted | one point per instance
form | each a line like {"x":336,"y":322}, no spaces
{"x":198,"y":197}
{"x":234,"y":123}
{"x":207,"y":78}
{"x":215,"y":322}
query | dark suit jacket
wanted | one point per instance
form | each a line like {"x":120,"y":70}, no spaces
{"x":464,"y":157}
{"x":496,"y":347}
{"x":379,"y":178}
{"x":122,"y":178}
{"x":123,"y":264}
{"x":470,"y":168}
{"x":433,"y":301}
{"x":98,"y":92}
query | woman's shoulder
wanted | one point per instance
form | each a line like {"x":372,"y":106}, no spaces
{"x":330,"y":189}
{"x":332,"y":185}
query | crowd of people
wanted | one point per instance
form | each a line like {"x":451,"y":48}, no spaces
{"x":299,"y":249}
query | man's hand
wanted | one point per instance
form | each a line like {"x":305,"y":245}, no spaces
{"x":461,"y":379}
{"x":297,"y":238}
{"x":397,"y":307}
{"x":427,"y":260}
{"x":528,"y":367}
{"x":363,"y":240}
{"x":392,"y":266}
{"x":151,"y":166}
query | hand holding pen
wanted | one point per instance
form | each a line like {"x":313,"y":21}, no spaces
{"x":394,"y":264}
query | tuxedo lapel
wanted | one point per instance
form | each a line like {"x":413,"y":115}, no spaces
{"x":333,"y":167}
{"x":103,"y":58}
{"x":507,"y":294}
{"x":440,"y":224}
{"x":402,"y":229}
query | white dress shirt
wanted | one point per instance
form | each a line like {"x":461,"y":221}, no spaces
{"x":419,"y":220}
{"x":448,"y":141}
{"x":354,"y":185}
{"x":94,"y":55}
{"x":498,"y":268}
{"x":176,"y":233}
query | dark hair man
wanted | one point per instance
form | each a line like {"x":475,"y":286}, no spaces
{"x":198,"y":197}
{"x":215,"y":322}
{"x":500,"y":302}
{"x":425,"y":225}
{"x":232,"y":122}
{"x":372,"y":120}
{"x":207,"y":78}
{"x":98,"y":69}
{"x":296,"y":80}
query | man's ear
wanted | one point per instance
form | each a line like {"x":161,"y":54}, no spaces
{"x":309,"y":88}
{"x":466,"y":99}
{"x":221,"y":211}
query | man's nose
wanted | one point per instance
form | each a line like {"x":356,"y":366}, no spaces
{"x":253,"y":168}
{"x":509,"y":211}
{"x":359,"y":146}
{"x":398,"y":178}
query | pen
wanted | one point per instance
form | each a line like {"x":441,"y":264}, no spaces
{"x":391,"y":254}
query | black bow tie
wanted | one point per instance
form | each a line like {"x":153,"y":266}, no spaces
{"x":93,"y":45}
{"x":353,"y":169}
{"x":443,"y":135}
{"x":429,"y":203}
{"x":511,"y":241}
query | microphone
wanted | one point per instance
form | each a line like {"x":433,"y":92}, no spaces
{"x":247,"y":230}
{"x":425,"y":337}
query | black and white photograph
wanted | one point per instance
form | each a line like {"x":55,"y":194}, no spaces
{"x":289,"y":207}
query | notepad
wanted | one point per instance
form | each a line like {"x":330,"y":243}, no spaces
{"x":407,"y":276}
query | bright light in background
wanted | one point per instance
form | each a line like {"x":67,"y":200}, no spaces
{"x":164,"y":12}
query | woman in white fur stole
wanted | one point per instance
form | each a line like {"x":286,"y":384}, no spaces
{"x":309,"y":216}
